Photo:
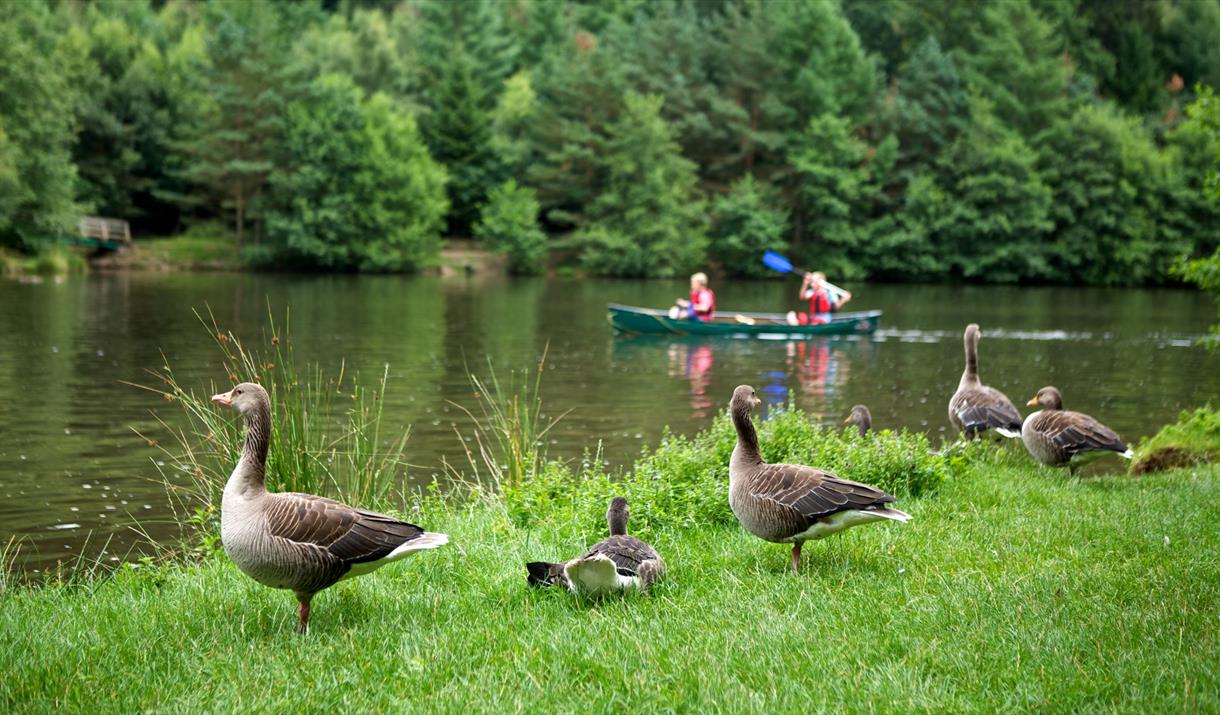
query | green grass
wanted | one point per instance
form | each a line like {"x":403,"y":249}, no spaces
{"x":201,"y":246}
{"x":1015,"y":588}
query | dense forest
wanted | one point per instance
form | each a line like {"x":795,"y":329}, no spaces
{"x":1057,"y":141}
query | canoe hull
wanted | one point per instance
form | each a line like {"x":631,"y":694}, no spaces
{"x":647,"y":321}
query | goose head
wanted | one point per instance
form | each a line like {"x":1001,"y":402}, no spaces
{"x":245,"y":398}
{"x":973,"y":333}
{"x":861,"y":418}
{"x":1047,"y":398}
{"x":745,"y":399}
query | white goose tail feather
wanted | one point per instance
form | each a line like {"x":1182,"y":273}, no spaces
{"x":1128,"y":454}
{"x":894,"y":514}
{"x":423,"y":542}
{"x":1011,"y":434}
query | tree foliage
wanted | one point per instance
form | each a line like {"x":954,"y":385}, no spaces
{"x":1001,"y":140}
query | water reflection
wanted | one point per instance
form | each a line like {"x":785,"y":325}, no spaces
{"x":694,"y":362}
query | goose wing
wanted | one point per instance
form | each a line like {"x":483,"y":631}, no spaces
{"x":1075,"y":432}
{"x":983,"y":407}
{"x":627,"y":553}
{"x":348,"y":534}
{"x":812,"y":492}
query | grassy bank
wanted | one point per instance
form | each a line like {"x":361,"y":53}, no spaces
{"x":1015,"y":588}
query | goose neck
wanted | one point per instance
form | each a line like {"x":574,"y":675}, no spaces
{"x":253,"y":465}
{"x":747,"y":437}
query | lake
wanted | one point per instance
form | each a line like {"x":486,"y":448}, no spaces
{"x":74,"y":476}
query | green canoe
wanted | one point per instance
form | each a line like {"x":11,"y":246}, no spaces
{"x":645,"y":321}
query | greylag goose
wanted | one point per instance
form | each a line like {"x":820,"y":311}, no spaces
{"x":296,"y":541}
{"x":975,"y":407}
{"x":791,"y":503}
{"x":861,"y":418}
{"x":1055,"y":436}
{"x":618,"y":563}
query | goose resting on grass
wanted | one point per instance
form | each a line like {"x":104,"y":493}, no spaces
{"x":791,"y":503}
{"x":1057,"y":437}
{"x":861,"y":418}
{"x":615,"y":564}
{"x":975,"y":407}
{"x":296,"y":541}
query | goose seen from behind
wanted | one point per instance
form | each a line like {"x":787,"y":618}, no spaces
{"x":792,"y":503}
{"x":1057,"y":437}
{"x":861,"y":418}
{"x":617,"y":563}
{"x":975,"y":407}
{"x":300,"y":542}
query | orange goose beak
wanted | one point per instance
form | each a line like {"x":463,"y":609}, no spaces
{"x":224,"y":398}
{"x":1032,"y":401}
{"x":847,"y":419}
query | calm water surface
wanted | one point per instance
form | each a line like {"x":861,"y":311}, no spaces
{"x":74,"y":476}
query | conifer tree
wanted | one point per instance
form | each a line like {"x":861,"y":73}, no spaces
{"x":648,"y":220}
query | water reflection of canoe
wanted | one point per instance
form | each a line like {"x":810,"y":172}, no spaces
{"x":642,"y":321}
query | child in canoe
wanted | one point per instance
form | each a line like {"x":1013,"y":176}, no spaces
{"x":823,"y":298}
{"x":702,"y":303}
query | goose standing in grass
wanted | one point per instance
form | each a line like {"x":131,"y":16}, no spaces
{"x":975,"y":407}
{"x":1058,"y":437}
{"x":614,"y":564}
{"x":791,"y":503}
{"x":300,"y":542}
{"x":861,"y":418}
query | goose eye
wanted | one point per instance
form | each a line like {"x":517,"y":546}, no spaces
{"x":237,"y":392}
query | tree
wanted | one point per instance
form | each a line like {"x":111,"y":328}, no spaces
{"x":360,"y":192}
{"x":994,"y":206}
{"x":37,"y":177}
{"x":745,"y":224}
{"x":833,"y":186}
{"x":1016,"y":62}
{"x":458,"y":130}
{"x":467,"y":55}
{"x":1112,"y":203}
{"x":509,"y":224}
{"x":231,"y":148}
{"x":649,"y":220}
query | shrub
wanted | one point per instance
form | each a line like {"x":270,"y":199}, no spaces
{"x":684,"y":481}
{"x":509,"y":223}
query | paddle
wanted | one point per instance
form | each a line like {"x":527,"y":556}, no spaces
{"x":778,"y":263}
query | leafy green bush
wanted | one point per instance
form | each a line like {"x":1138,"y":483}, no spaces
{"x":363,"y":192}
{"x":509,"y":223}
{"x":57,"y":261}
{"x":684,"y":481}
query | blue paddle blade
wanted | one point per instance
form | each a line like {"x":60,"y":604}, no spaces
{"x":776,"y":262}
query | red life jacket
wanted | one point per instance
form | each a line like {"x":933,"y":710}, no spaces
{"x":820,"y":302}
{"x":694,"y":301}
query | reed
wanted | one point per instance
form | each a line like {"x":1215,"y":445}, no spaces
{"x":508,"y":432}
{"x":329,"y":434}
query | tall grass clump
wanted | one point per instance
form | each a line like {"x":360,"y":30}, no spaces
{"x":1193,"y":439}
{"x":508,"y":432}
{"x":329,"y":434}
{"x":684,"y":481}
